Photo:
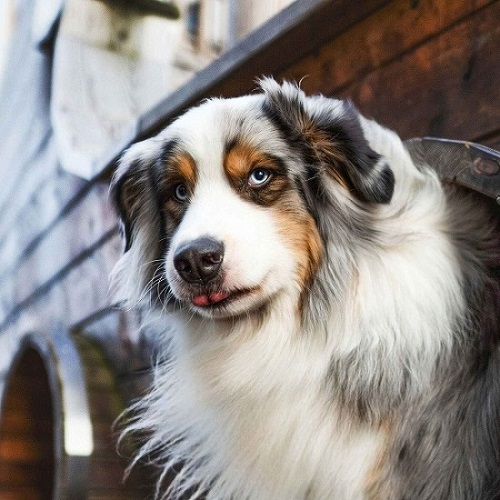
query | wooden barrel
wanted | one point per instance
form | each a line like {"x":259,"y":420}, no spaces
{"x":59,"y":403}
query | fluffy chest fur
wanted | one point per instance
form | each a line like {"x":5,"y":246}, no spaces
{"x":256,"y":399}
{"x":326,"y":307}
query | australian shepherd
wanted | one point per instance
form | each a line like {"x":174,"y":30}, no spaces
{"x":328,"y":308}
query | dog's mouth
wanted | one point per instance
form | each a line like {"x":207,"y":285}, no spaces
{"x":221,"y":298}
{"x":217,"y":300}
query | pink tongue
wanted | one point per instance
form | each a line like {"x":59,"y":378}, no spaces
{"x":207,"y":300}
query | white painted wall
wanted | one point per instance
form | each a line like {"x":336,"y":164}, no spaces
{"x":6,"y":21}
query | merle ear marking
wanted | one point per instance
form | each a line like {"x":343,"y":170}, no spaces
{"x":129,"y":188}
{"x":118,"y":189}
{"x":284,"y":105}
{"x":135,"y":195}
{"x":329,"y":134}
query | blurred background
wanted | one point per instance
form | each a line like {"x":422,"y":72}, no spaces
{"x":80,"y":80}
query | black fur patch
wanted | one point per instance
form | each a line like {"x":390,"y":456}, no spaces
{"x":156,"y":175}
{"x":117,"y":191}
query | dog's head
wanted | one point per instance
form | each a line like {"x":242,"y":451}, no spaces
{"x":229,"y":208}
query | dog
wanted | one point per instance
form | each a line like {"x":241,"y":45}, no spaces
{"x":328,"y":309}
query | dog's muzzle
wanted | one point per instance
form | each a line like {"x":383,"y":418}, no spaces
{"x":199,"y":261}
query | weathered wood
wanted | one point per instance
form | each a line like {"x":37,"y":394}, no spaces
{"x":18,"y":475}
{"x":37,"y":197}
{"x":107,"y":468}
{"x":27,"y":452}
{"x":442,"y":88}
{"x":22,"y":492}
{"x":47,"y":227}
{"x":390,"y":32}
{"x":74,"y":297}
{"x":366,"y":48}
{"x":74,"y":293}
{"x":90,"y":220}
{"x":34,"y":457}
{"x":23,"y":449}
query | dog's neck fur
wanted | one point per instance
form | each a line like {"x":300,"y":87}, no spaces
{"x":227,"y":385}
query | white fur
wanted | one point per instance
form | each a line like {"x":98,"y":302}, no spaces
{"x":253,"y":405}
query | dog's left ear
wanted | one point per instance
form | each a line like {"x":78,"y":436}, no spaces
{"x":133,"y":192}
{"x":329,"y":134}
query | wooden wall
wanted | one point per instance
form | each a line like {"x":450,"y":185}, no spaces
{"x":422,"y":67}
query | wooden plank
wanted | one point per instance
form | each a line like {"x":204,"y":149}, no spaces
{"x":24,"y":449}
{"x":32,"y":203}
{"x":22,"y":493}
{"x":15,"y":475}
{"x":32,"y":166}
{"x":445,"y":87}
{"x":386,"y":35}
{"x":21,"y":422}
{"x":74,"y":293}
{"x":92,"y":218}
{"x":408,"y":25}
{"x":24,"y":102}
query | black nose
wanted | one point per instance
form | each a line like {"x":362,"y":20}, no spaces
{"x":199,"y":261}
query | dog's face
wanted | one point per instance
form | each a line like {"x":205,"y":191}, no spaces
{"x":222,"y":211}
{"x":230,"y":207}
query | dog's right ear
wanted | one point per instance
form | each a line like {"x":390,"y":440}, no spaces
{"x":134,"y":193}
{"x":330,"y":133}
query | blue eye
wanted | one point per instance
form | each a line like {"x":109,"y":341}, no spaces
{"x":259,"y":177}
{"x":181,"y":192}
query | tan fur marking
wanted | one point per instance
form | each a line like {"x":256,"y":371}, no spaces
{"x":326,"y":152}
{"x":241,"y":159}
{"x":298,"y":228}
{"x":186,"y":168}
{"x":180,"y":168}
{"x":295,"y":223}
